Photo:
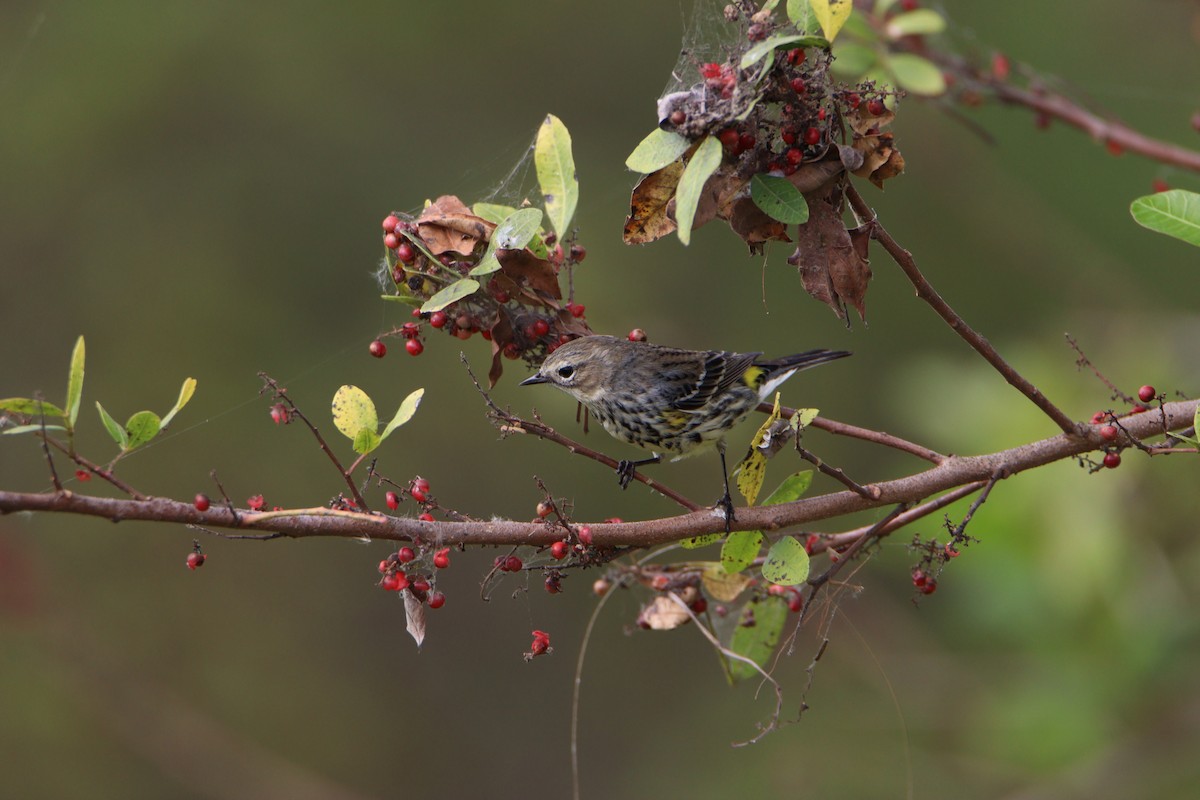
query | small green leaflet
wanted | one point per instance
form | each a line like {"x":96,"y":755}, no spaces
{"x":657,"y":150}
{"x":1175,"y":213}
{"x":916,"y":74}
{"x":786,"y":562}
{"x":30,"y":429}
{"x":141,"y":428}
{"x":740,"y":550}
{"x":517,"y":229}
{"x":75,"y":384}
{"x":114,"y":430}
{"x":492,"y":212}
{"x":756,"y":53}
{"x":779,"y":199}
{"x":404,"y":413}
{"x":556,"y":173}
{"x":451,"y":294}
{"x":852,"y":59}
{"x":406,"y":299}
{"x":792,"y":488}
{"x":353,"y":412}
{"x":918,"y":22}
{"x":185,"y":394}
{"x":703,"y":164}
{"x":30,"y":407}
{"x":758,"y":641}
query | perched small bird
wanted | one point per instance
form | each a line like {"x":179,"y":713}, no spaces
{"x":663,"y":398}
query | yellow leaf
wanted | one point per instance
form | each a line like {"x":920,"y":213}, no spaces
{"x":724,"y":586}
{"x":832,"y":14}
{"x":753,"y":469}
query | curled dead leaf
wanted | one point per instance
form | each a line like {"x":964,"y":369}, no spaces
{"x":662,"y":614}
{"x":831,"y":268}
{"x":448,"y":225}
{"x":648,"y":219}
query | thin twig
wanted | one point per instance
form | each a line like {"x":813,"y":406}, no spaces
{"x":833,"y":541}
{"x":926,"y":292}
{"x":869,"y":492}
{"x":1083,"y":361}
{"x":956,"y":533}
{"x":58,"y":487}
{"x":855,"y":432}
{"x":96,"y":469}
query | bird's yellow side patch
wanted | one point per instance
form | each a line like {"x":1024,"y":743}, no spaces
{"x":754,"y":376}
{"x":675,"y":419}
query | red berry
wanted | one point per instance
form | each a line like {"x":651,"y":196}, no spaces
{"x":1137,"y":409}
{"x":1098,"y":417}
{"x":394,"y":582}
{"x":195,"y":560}
{"x":795,"y":602}
{"x":390,"y":222}
{"x":255,"y":503}
{"x":553,"y":583}
{"x":1000,"y":66}
{"x":678,"y":117}
{"x":1114,"y":147}
{"x":414,"y":347}
{"x":798,"y":85}
{"x":789,"y":137}
{"x":410,"y":330}
{"x":544,"y":510}
{"x":746,"y":141}
{"x":512,"y":564}
{"x":419,"y":585}
{"x":426,"y":517}
{"x":919,"y":578}
{"x":699,"y":605}
{"x":377,"y":349}
{"x":438,"y":319}
{"x":559,"y":549}
{"x":1146,"y":393}
{"x":775,"y":590}
{"x":812,"y":136}
{"x":908,"y":5}
{"x":1112,"y":460}
{"x":821,"y":114}
{"x":405,"y":253}
{"x":383,"y":566}
{"x":83,"y":475}
{"x":441,"y":559}
{"x":711,"y":70}
{"x":853,"y":100}
{"x":876,"y":108}
{"x":796,"y":56}
{"x":585,"y":535}
{"x":794,"y":156}
{"x":280,"y":414}
{"x":201,"y":502}
{"x":405,"y":555}
{"x":950,"y":551}
{"x":729,"y":138}
{"x":417,"y":494}
{"x":393,"y":500}
{"x":929,"y":587}
{"x":540,"y":328}
{"x":576,"y":309}
{"x":1108,"y":432}
{"x":578,"y":253}
{"x":637,"y":335}
{"x":437,"y":600}
{"x":539,"y":647}
{"x":391,"y":241}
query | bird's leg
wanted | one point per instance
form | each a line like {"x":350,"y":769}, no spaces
{"x":726,"y":501}
{"x":625,"y":469}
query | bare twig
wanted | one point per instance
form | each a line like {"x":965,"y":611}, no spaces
{"x":866,"y":434}
{"x":1083,"y":361}
{"x":58,"y":487}
{"x":837,"y":474}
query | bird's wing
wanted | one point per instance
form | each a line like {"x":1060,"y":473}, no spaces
{"x":719,"y":372}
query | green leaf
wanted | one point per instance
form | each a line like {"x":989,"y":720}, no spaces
{"x":141,"y":428}
{"x":779,"y":199}
{"x":916,"y":74}
{"x":114,"y":429}
{"x":30,"y":407}
{"x":75,"y":384}
{"x":556,"y":173}
{"x":786,"y":562}
{"x":406,"y":299}
{"x":693,"y":542}
{"x":185,"y":394}
{"x":792,"y":488}
{"x":514,"y":233}
{"x":768,"y":45}
{"x":917,"y":22}
{"x":492,"y":212}
{"x":803,"y":418}
{"x":30,"y":429}
{"x":404,"y":413}
{"x":657,"y":150}
{"x":758,"y":641}
{"x":852,"y":59}
{"x":832,"y":14}
{"x":366,"y":440}
{"x":800,"y":14}
{"x":353,"y":410}
{"x":1175,"y":213}
{"x":451,"y":294}
{"x":740,"y":550}
{"x":703,"y":164}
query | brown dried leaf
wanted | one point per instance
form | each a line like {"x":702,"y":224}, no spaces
{"x":890,"y":168}
{"x":663,"y":614}
{"x":812,"y":175}
{"x":414,"y":611}
{"x":832,"y":269}
{"x":754,"y":226}
{"x":522,"y":268}
{"x":502,"y":334}
{"x":648,"y":219}
{"x":447,"y":225}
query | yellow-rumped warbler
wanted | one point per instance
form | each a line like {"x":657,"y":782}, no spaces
{"x":663,"y":398}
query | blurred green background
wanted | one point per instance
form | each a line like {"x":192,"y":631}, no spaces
{"x":197,"y":188}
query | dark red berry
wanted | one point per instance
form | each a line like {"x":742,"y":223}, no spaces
{"x":729,"y":138}
{"x":812,"y":136}
{"x":798,"y":85}
{"x":577,"y":309}
{"x":391,"y":241}
{"x":437,"y":600}
{"x":1098,"y":417}
{"x":919,"y":578}
{"x":559,"y":550}
{"x":201,"y":502}
{"x":405,"y":253}
{"x":585,"y":535}
{"x":383,"y":566}
{"x":195,"y":560}
{"x":438,"y":319}
{"x":746,"y":141}
{"x":540,"y":328}
{"x":394,"y":582}
{"x":390,"y":222}
{"x":821,"y":114}
{"x":795,"y":602}
{"x":553,"y":583}
{"x":794,"y":156}
{"x":678,"y":117}
{"x":789,"y":137}
{"x":699,"y":605}
{"x":426,"y":517}
{"x":1114,"y":147}
{"x":410,"y":330}
{"x":1146,"y":393}
{"x":377,"y":349}
{"x":876,"y":108}
{"x":929,"y":587}
{"x":796,"y":56}
{"x":83,"y":475}
{"x":419,"y":585}
{"x":578,"y":253}
{"x":441,"y":559}
{"x":1108,"y":433}
{"x":393,"y":500}
{"x":512,"y":564}
{"x":405,"y":555}
{"x":414,"y":347}
{"x":1112,"y":460}
{"x":853,"y":100}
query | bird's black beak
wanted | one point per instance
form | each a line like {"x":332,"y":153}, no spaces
{"x":530,"y":381}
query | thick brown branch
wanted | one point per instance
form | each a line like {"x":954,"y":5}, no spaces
{"x":954,"y":472}
{"x":926,"y":292}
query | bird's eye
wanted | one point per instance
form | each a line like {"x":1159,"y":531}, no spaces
{"x":566,"y":372}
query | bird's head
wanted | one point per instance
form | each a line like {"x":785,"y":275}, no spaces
{"x":581,"y":367}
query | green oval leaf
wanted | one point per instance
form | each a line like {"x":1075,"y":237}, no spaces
{"x":185,"y":394}
{"x":366,"y":440}
{"x":851,"y":59}
{"x":353,"y":410}
{"x":703,"y":164}
{"x":779,"y":199}
{"x":916,"y":74}
{"x":740,"y":550}
{"x":492,"y":212}
{"x":75,"y":384}
{"x":756,"y":53}
{"x":1175,"y":213}
{"x":30,"y":407}
{"x":112,"y":426}
{"x":141,"y":428}
{"x":916,"y":22}
{"x":404,"y":413}
{"x":556,"y":173}
{"x":757,"y":642}
{"x":30,"y":429}
{"x":451,"y":294}
{"x":792,"y":488}
{"x":800,"y":14}
{"x":786,"y":562}
{"x":657,"y":150}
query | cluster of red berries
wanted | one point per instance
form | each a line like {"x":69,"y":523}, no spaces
{"x":398,"y":576}
{"x":719,"y":78}
{"x":795,"y":601}
{"x":925,"y":584}
{"x":1110,"y":432}
{"x":508,"y":563}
